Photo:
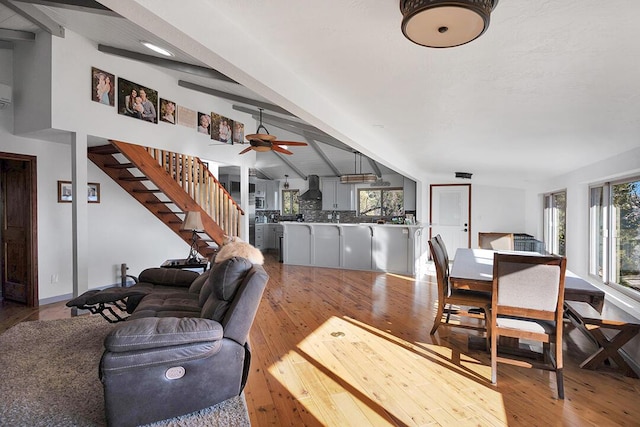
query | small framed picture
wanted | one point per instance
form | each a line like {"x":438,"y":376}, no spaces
{"x":238,"y":133}
{"x":102,"y":87}
{"x":65,"y":192}
{"x":167,"y":111}
{"x":93,"y":192}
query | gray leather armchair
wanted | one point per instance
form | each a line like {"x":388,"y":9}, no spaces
{"x":165,"y":362}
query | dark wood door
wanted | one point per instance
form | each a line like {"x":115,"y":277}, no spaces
{"x":16,"y":229}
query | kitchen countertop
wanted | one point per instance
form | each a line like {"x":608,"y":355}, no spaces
{"x":347,"y":224}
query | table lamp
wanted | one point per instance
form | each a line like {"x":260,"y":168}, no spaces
{"x":193,"y":222}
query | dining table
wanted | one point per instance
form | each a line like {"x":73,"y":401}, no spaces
{"x":472,"y":269}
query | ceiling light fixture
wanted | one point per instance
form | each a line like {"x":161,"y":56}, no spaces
{"x":286,"y":182}
{"x":445,"y":23}
{"x":357,"y":178}
{"x":157,"y":49}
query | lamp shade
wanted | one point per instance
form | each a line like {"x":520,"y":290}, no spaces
{"x":445,"y":23}
{"x":192,"y":221}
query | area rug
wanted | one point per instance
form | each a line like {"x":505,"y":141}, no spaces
{"x":49,"y":377}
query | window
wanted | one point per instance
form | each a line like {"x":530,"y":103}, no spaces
{"x":614,"y":221}
{"x":555,"y":209}
{"x":381,"y":202}
{"x":290,"y":202}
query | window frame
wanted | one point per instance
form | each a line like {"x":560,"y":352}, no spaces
{"x":608,"y":240}
{"x":382,"y":191}
{"x":551,"y":230}
{"x":292,"y":191}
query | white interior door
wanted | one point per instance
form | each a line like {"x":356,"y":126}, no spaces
{"x":450,"y":210}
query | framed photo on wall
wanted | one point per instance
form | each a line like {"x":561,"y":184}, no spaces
{"x":103,"y":87}
{"x":137,"y":101}
{"x":204,"y":123}
{"x":167,"y":111}
{"x":238,"y":132}
{"x":65,"y":192}
{"x":93,"y":192}
{"x":221,"y":128}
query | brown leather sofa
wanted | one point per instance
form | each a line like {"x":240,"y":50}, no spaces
{"x":184,"y":347}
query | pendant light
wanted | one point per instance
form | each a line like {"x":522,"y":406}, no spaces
{"x":286,"y":182}
{"x":357,"y":178}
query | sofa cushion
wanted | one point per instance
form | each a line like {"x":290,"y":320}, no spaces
{"x":168,"y":277}
{"x":196,"y":285}
{"x":224,"y":280}
{"x":162,"y":301}
{"x":166,"y":332}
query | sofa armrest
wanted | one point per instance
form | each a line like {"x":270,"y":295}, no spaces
{"x":154,"y":332}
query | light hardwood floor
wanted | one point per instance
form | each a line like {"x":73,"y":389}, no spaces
{"x":348,"y":348}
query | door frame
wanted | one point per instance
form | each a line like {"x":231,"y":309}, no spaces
{"x":32,"y":290}
{"x":431,"y":205}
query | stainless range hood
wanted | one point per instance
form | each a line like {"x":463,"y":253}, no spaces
{"x":313,"y":193}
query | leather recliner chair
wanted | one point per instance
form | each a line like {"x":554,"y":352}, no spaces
{"x":165,"y":362}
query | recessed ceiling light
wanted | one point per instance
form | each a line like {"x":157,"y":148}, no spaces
{"x":157,"y":49}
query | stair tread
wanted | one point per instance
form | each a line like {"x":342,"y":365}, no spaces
{"x":120,"y":166}
{"x":134,"y":178}
{"x":103,"y":149}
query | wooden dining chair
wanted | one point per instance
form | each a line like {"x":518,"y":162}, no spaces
{"x":527,"y":301}
{"x":496,"y":241}
{"x":448,"y":298}
{"x":438,"y":238}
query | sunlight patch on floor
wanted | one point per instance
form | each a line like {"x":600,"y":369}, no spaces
{"x":380,"y":379}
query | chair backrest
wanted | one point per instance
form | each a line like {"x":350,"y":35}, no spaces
{"x":528,"y":286}
{"x":496,"y":241}
{"x":440,"y":241}
{"x":441,"y":269}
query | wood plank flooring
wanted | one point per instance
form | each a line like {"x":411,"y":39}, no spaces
{"x":347,"y":348}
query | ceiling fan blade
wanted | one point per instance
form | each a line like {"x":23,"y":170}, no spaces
{"x":246,"y":150}
{"x":281,"y":150}
{"x":292,"y":143}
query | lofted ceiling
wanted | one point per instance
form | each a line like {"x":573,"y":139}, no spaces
{"x":113,"y":34}
{"x":549,"y":88}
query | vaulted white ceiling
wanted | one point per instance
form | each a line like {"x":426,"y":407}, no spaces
{"x":549,"y":88}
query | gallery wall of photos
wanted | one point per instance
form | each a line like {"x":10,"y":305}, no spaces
{"x":140,"y":102}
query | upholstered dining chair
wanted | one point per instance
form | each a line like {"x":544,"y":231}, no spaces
{"x":527,"y":303}
{"x":448,"y":298}
{"x":496,"y":241}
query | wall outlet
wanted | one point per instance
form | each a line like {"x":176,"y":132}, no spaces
{"x":54,"y":278}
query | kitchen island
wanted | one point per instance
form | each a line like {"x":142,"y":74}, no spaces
{"x":391,"y":248}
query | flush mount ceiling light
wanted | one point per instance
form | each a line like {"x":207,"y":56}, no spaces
{"x":445,"y":23}
{"x":156,"y":49}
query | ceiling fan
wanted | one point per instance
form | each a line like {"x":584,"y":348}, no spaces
{"x":264,"y":142}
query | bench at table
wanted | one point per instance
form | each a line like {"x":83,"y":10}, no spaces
{"x":590,"y":321}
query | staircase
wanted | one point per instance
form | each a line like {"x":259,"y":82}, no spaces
{"x":170,"y":184}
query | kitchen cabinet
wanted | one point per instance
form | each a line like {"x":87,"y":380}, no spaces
{"x":337,"y":196}
{"x":270,"y":235}
{"x":373,"y":247}
{"x":269,"y":191}
{"x":266,"y":236}
{"x":259,"y":236}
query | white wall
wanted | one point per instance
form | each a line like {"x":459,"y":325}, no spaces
{"x":497,"y":209}
{"x":120,"y":229}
